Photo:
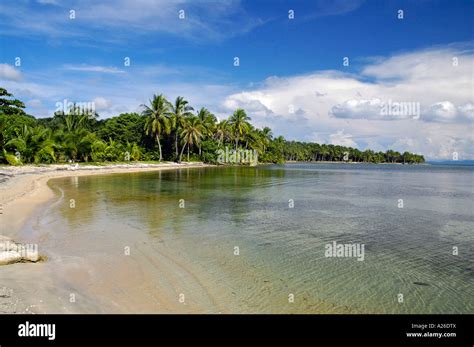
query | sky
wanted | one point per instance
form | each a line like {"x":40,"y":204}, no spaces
{"x":367,"y":74}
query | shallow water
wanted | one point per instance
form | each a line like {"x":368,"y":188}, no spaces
{"x":408,"y":250}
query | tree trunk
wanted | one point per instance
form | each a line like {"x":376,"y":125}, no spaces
{"x":182,"y":150}
{"x":176,"y":143}
{"x":159,"y":145}
{"x":188,"y":154}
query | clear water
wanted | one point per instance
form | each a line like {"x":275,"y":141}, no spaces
{"x":408,"y":250}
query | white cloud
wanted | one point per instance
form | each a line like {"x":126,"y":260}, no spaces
{"x":36,"y":103}
{"x":443,"y":111}
{"x":447,"y":112}
{"x":440,"y":91}
{"x":358,"y":108}
{"x":333,"y":7}
{"x":8,"y":72}
{"x":327,"y":106}
{"x":467,"y":111}
{"x":138,"y":17}
{"x":94,"y":68}
{"x":47,"y":2}
{"x":101,"y":103}
{"x":342,"y":139}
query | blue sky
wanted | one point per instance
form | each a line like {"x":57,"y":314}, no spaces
{"x":291,"y":75}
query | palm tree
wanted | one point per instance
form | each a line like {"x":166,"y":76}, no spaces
{"x":392,"y":156}
{"x":267,"y":136}
{"x":208,"y":120}
{"x":368,"y":156}
{"x":256,"y":141}
{"x":34,"y":144}
{"x":85,"y":116}
{"x":407,"y":157}
{"x":280,"y":143}
{"x":72,"y":134}
{"x":191,"y":134}
{"x":239,"y":123}
{"x":222,"y":131}
{"x":179,"y":112}
{"x":324,"y":152}
{"x":157,"y":118}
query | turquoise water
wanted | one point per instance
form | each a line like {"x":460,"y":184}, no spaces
{"x":281,"y":218}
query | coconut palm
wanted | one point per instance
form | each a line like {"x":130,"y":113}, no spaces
{"x":255,"y":140}
{"x":222,"y":131}
{"x":34,"y":144}
{"x":208,"y":120}
{"x":240,"y":126}
{"x":279,"y":143}
{"x":157,"y":118}
{"x":179,"y":112}
{"x":191,"y":134}
{"x":74,"y":136}
{"x":267,"y":135}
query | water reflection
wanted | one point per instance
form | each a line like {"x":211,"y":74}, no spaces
{"x":282,"y":247}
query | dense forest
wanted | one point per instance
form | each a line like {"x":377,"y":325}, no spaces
{"x":162,"y":131}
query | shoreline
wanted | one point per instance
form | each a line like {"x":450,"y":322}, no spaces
{"x":149,"y":281}
{"x":23,"y":191}
{"x":24,"y":188}
{"x":349,"y":162}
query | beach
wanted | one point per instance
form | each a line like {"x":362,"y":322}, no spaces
{"x":236,"y":239}
{"x":31,"y":287}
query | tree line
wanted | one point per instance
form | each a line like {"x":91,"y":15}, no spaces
{"x":163,"y":130}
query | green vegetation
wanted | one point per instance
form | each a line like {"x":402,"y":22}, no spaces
{"x":163,"y":131}
{"x":301,"y":151}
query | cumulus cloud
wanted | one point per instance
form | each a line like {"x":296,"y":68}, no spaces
{"x":323,"y":106}
{"x":377,"y":109}
{"x":342,"y":139}
{"x":425,"y":94}
{"x":362,"y":108}
{"x":447,"y":112}
{"x":467,"y":111}
{"x":443,"y":111}
{"x":256,"y":104}
{"x":101,"y":103}
{"x":8,"y":72}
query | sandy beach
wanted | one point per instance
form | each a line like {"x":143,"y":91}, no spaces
{"x":33,"y":287}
